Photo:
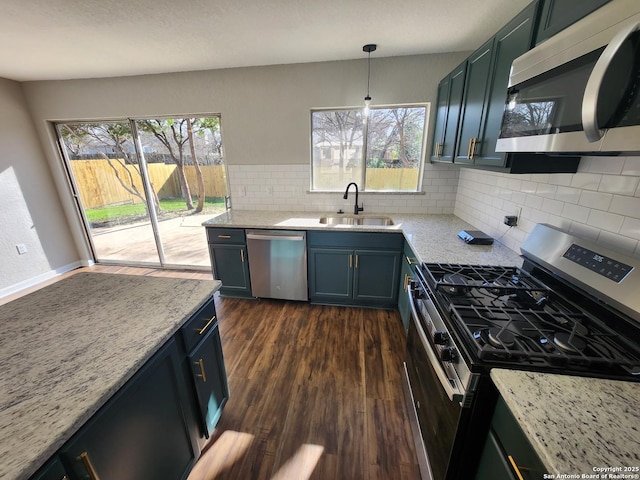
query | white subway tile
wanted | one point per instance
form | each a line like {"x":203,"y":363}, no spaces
{"x":631,"y":166}
{"x":631,"y":228}
{"x":629,"y":206}
{"x":587,"y":181}
{"x":621,"y":185}
{"x":608,"y":165}
{"x":575,"y":212}
{"x":605,"y":220}
{"x":568,"y":194}
{"x":598,"y":200}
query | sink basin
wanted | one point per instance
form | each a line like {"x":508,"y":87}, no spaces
{"x":348,"y":220}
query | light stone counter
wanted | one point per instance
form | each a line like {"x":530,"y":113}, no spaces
{"x":575,"y":424}
{"x":68,"y":347}
{"x":432,"y":237}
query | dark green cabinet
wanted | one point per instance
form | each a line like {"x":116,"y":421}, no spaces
{"x":53,"y":470}
{"x":143,"y":432}
{"x":559,"y":14}
{"x":473,"y":105}
{"x":476,"y":103}
{"x":448,"y":114}
{"x":508,"y":454}
{"x":354,"y":268}
{"x":407,"y":274}
{"x":228,"y":252}
{"x":209,"y":379}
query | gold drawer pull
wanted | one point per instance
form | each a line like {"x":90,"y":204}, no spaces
{"x":515,"y":467}
{"x":409,"y":260}
{"x":356,"y":261}
{"x":224,"y":236}
{"x":93,"y":475}
{"x":350,"y":261}
{"x":202,"y":374}
{"x":242,"y":255}
{"x":204,"y":329}
{"x":474,"y":142}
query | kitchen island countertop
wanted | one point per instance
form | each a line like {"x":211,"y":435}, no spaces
{"x":67,"y":348}
{"x":576,"y":424}
{"x":432,"y":237}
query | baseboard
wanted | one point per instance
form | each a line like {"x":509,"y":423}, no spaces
{"x":37,"y":280}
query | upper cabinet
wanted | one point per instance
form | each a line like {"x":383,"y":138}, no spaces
{"x":471,"y":102}
{"x":557,"y":15}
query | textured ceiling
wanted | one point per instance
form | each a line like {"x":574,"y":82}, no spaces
{"x":64,"y":39}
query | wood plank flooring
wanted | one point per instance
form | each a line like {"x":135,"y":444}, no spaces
{"x":315,"y":394}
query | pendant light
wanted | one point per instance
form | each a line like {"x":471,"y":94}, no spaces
{"x":368,"y":48}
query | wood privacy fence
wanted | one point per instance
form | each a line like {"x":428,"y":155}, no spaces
{"x":98,"y":184}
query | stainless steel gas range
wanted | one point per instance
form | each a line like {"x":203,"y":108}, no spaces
{"x":572,"y":308}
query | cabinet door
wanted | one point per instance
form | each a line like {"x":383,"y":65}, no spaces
{"x":210,"y":379}
{"x":142,"y":432}
{"x":330,"y":274}
{"x":510,"y":42}
{"x":441,"y":119}
{"x":54,"y":470}
{"x":493,"y":462}
{"x":559,"y":14}
{"x":376,"y":277}
{"x":471,"y":114}
{"x":231,"y":267}
{"x":456,"y":90}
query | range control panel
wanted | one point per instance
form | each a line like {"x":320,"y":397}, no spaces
{"x":601,"y":264}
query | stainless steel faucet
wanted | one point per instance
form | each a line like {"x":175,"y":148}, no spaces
{"x":356,"y":208}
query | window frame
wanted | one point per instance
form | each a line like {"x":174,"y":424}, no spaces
{"x":365,"y":135}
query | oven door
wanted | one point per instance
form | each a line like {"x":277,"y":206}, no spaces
{"x":434,"y":403}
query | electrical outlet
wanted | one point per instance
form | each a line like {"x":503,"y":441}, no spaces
{"x":511,"y":220}
{"x":22,"y":248}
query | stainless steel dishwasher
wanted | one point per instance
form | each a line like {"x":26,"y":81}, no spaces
{"x":278,"y":264}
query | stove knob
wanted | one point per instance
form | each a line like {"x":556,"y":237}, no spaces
{"x":440,"y":338}
{"x":448,"y":354}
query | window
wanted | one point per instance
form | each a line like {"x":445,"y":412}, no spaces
{"x":383,"y":152}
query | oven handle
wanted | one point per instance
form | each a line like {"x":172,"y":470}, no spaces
{"x":454,"y":394}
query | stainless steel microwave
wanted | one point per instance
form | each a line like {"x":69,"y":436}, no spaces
{"x":579,"y":91}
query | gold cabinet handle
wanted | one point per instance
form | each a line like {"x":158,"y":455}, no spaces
{"x":65,"y":478}
{"x":224,"y":236}
{"x":515,"y":467}
{"x":437,"y":152}
{"x":406,"y":282}
{"x":409,"y":260}
{"x":474,"y":142}
{"x":93,"y":475}
{"x":202,"y":374}
{"x":204,"y":329}
{"x":356,"y":261}
{"x":469,"y":149}
{"x":242,"y":255}
{"x":350,"y":261}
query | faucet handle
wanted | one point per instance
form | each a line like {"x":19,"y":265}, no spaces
{"x":358,"y":209}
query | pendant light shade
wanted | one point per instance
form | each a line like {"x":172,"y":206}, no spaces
{"x":370,"y":47}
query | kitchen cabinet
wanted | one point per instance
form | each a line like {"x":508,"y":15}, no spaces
{"x":143,"y":432}
{"x":507,"y":453}
{"x":471,"y":114}
{"x":559,"y":14}
{"x":354,"y":268}
{"x":406,"y":275}
{"x":483,"y":95}
{"x":450,"y":91}
{"x":201,"y":337}
{"x":53,"y":470}
{"x":229,"y":260}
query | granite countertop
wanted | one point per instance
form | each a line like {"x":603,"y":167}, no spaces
{"x":432,"y":237}
{"x":576,"y":424}
{"x":67,"y":348}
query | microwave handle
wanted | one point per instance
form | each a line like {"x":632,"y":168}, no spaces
{"x":590,"y":100}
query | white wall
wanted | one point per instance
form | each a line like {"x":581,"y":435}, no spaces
{"x":600,"y":202}
{"x":30,"y":211}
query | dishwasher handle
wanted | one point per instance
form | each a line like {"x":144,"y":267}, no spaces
{"x":261,"y":236}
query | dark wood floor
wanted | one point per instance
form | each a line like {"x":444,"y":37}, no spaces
{"x":315,"y":393}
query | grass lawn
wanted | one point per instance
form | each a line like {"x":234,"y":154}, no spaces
{"x":138,"y":209}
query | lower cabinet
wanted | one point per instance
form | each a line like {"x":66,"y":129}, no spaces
{"x":205,"y":366}
{"x":143,"y":432}
{"x":354,"y":268}
{"x":228,"y":252}
{"x":507,"y":453}
{"x":406,"y":275}
{"x":53,"y":470}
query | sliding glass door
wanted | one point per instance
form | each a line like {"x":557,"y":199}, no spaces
{"x":144,"y":187}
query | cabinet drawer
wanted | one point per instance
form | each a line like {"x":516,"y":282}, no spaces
{"x":390,"y":241}
{"x":226,"y":235}
{"x":51,"y":471}
{"x":197,"y":327}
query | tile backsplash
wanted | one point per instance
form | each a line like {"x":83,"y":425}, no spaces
{"x":286,"y":187}
{"x":600,"y":202}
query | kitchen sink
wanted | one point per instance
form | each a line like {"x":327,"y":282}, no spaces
{"x":349,"y":220}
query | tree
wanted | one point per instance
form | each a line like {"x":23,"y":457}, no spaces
{"x":117,"y":138}
{"x":172,"y":133}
